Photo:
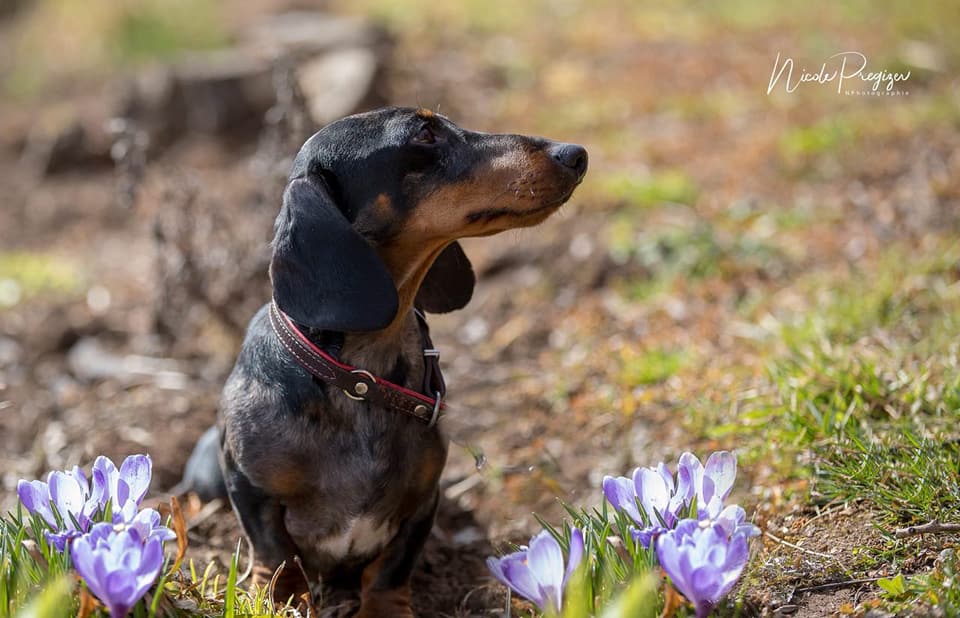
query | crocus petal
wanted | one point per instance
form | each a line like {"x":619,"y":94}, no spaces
{"x":106,"y":478}
{"x":81,"y":479}
{"x":706,"y":493}
{"x":99,"y":533}
{"x":119,"y":588}
{"x":706,"y":584}
{"x":495,"y":566}
{"x":668,"y":555}
{"x":732,"y":520}
{"x":575,"y":555}
{"x":622,"y":496}
{"x":545,"y":559}
{"x":135,"y":471}
{"x":35,"y":496}
{"x":146,"y":524}
{"x":712,"y":509}
{"x":653,"y":492}
{"x":667,"y":476}
{"x":518,"y":576}
{"x":67,"y":495}
{"x":103,"y":476}
{"x":721,"y":468}
{"x":702,"y":560}
{"x":126,"y":512}
{"x":538,"y":573}
{"x":86,"y":563}
{"x":730,"y":517}
{"x":737,"y":553}
{"x":59,"y":540}
{"x":689,"y":475}
{"x":646,"y":535}
{"x":151,"y":561}
{"x":686,"y":528}
{"x":117,"y":567}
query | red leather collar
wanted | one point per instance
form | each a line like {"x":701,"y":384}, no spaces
{"x":360,"y":384}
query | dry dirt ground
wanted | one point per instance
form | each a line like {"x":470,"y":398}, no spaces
{"x":541,"y":366}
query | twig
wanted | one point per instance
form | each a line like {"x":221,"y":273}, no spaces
{"x":843,"y":584}
{"x":934,"y":527}
{"x":826,"y":511}
{"x":208,"y":509}
{"x":798,"y":548}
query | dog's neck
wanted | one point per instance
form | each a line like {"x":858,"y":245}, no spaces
{"x":408,"y":264}
{"x":379,"y":351}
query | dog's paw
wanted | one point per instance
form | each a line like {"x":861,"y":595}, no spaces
{"x":386,"y":604}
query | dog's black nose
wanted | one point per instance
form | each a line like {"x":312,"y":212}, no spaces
{"x":571,"y":156}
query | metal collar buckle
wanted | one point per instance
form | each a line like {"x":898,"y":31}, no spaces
{"x":436,"y":411}
{"x":361,"y":388}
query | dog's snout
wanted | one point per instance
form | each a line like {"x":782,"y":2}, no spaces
{"x":570,"y":156}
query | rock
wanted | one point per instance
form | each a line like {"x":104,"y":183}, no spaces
{"x":89,"y":361}
{"x":306,"y":34}
{"x":339,"y":83}
{"x":219,"y":92}
{"x":337,"y":62}
{"x":63,"y":141}
{"x":10,"y":352}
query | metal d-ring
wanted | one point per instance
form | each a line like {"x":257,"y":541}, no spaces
{"x":436,"y":411}
{"x":360,"y":387}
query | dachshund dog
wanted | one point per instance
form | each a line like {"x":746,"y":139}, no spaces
{"x":366,"y":239}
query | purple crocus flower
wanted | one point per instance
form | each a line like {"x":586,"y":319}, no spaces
{"x":148,"y":525}
{"x":537,"y":572}
{"x":68,"y":494}
{"x":703,"y":561}
{"x":117,"y":564}
{"x":664,"y":500}
{"x":78,"y":502}
{"x":710,"y":484}
{"x":732,"y":519}
{"x":125,"y":487}
{"x":655,"y":492}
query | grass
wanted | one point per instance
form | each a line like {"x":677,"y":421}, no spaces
{"x":23,"y":275}
{"x":646,"y":191}
{"x":37,"y":581}
{"x":608,"y":570}
{"x":32,"y":573}
{"x":95,"y":38}
{"x":936,"y":588}
{"x":862,"y":396}
{"x":827,"y":136}
{"x":650,"y":367}
{"x":910,"y":480}
{"x":678,"y":245}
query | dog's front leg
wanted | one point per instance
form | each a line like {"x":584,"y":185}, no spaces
{"x":262,"y":520}
{"x":385,"y":588}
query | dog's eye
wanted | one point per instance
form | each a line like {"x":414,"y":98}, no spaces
{"x":425,"y":136}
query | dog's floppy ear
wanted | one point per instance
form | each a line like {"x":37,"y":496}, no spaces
{"x":449,"y":282}
{"x":325,"y":275}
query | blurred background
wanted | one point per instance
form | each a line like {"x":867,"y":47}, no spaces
{"x":720,"y":231}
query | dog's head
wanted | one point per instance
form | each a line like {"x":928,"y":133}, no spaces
{"x":404,"y":183}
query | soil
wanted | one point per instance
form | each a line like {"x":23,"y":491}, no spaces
{"x":164,"y":288}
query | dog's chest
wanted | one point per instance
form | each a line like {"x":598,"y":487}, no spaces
{"x":362,"y":536}
{"x":358,"y":537}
